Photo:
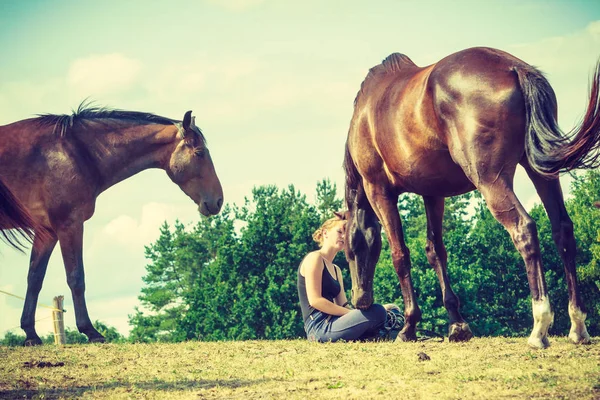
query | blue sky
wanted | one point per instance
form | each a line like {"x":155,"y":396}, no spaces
{"x":272,"y":84}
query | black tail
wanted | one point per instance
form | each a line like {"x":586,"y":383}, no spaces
{"x":550,"y":151}
{"x":16,"y":224}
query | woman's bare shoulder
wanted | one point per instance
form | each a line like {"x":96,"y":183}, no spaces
{"x":311,"y":261}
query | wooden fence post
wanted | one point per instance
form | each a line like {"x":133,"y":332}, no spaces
{"x":59,"y":323}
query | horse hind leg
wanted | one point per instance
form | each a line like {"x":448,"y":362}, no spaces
{"x":437,"y":256}
{"x":562,"y":233}
{"x":506,"y":208}
{"x":38,"y":264}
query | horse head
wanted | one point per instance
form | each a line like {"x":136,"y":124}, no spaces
{"x":363,"y":246}
{"x":192,"y":169}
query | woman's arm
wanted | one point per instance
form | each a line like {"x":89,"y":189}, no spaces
{"x":312,"y":269}
{"x":341,"y":299}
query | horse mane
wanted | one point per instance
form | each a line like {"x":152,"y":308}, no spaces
{"x":63,"y":124}
{"x":353,"y":178}
{"x":391,"y":64}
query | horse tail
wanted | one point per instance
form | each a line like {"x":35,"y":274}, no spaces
{"x":550,"y":151}
{"x":15,"y":222}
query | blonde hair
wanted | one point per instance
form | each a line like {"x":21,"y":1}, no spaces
{"x":330,"y":223}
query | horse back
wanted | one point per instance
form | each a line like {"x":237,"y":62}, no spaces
{"x":415,"y":120}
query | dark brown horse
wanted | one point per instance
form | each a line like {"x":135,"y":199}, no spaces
{"x":57,"y":165}
{"x":461,"y":124}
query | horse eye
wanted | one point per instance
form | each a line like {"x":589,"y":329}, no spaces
{"x":199,"y":153}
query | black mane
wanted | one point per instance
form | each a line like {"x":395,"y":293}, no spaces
{"x":86,"y":112}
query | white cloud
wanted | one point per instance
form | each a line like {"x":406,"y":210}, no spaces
{"x":22,"y":99}
{"x":103,"y":73}
{"x":568,"y":62}
{"x":237,"y":5}
{"x":187,"y":80}
{"x":115,"y":311}
{"x":563,"y":54}
{"x":173,"y":81}
{"x":233,"y":70}
{"x":128,"y":231}
{"x":594,"y":28}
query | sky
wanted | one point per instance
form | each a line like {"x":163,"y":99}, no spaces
{"x":272,"y":85}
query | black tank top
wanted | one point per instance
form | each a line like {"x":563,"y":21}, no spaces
{"x":330,"y":288}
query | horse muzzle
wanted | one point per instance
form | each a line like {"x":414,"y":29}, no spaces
{"x":208,"y":208}
{"x":362,"y":299}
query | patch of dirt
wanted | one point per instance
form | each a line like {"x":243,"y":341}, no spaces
{"x":43,"y":364}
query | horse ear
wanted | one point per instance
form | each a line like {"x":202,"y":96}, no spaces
{"x":341,"y":215}
{"x":187,"y":120}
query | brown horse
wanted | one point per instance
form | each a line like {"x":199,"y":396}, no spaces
{"x":461,"y":124}
{"x":57,"y":165}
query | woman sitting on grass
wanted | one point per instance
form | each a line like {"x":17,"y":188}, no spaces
{"x":327,"y":314}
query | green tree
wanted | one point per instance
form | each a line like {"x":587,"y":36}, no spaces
{"x":586,"y":219}
{"x":178,"y":260}
{"x":12,"y":339}
{"x":327,"y":199}
{"x":234,"y":276}
{"x":110,"y":333}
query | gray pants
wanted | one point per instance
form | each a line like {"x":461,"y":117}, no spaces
{"x":356,"y":325}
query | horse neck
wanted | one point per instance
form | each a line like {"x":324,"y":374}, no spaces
{"x":128,"y":149}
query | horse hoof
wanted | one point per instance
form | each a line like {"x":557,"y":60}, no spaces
{"x":33,"y":342}
{"x":537,"y":343}
{"x":406,"y":337}
{"x":99,"y":339}
{"x":459,"y":332}
{"x":578,"y":338}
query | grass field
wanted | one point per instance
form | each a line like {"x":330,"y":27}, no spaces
{"x":484,"y":368}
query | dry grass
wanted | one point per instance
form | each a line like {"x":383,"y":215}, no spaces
{"x":484,"y":368}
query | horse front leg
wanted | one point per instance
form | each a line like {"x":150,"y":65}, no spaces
{"x":385,"y":206}
{"x":364,"y":235}
{"x":562,"y":233}
{"x":459,"y":330}
{"x":71,"y":245}
{"x":38,"y":264}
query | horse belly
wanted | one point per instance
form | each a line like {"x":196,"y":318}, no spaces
{"x":417,"y":160}
{"x":435,"y":175}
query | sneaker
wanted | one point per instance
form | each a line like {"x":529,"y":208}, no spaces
{"x":395,"y":319}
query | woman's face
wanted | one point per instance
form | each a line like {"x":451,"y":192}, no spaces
{"x":335,"y":236}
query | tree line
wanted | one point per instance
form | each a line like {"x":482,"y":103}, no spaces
{"x":233,"y":276}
